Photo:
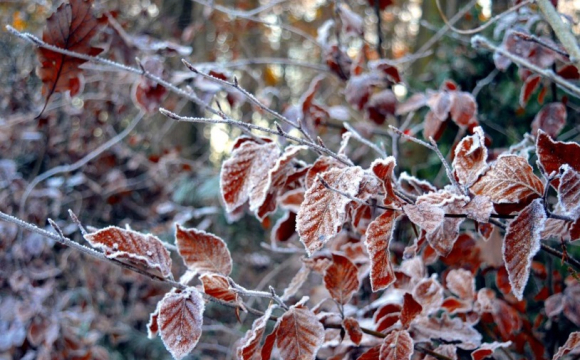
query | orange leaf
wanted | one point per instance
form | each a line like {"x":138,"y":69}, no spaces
{"x":300,"y":334}
{"x":470,"y":158}
{"x":341,"y":279}
{"x":72,"y":28}
{"x":217,"y":285}
{"x":411,"y":308}
{"x":551,"y":119}
{"x":521,"y":243}
{"x":133,"y":246}
{"x":398,"y":345}
{"x":203,"y":252}
{"x":180,"y":321}
{"x":553,"y":154}
{"x":249,"y":345}
{"x":378,"y":237}
{"x":353,"y":330}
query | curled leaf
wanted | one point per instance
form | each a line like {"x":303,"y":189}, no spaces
{"x":203,"y":252}
{"x":378,"y":237}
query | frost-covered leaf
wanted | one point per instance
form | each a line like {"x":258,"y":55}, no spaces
{"x":521,"y":243}
{"x":300,"y":334}
{"x":341,"y":279}
{"x":383,"y":169}
{"x":479,"y":208}
{"x":217,"y":285}
{"x":553,"y":154}
{"x":323,"y":211}
{"x":248,"y":164}
{"x":249,"y":345}
{"x":180,"y":321}
{"x":132,"y":246}
{"x":371,"y":354}
{"x":352,"y":23}
{"x":380,"y":106}
{"x":572,"y":345}
{"x":291,"y":200}
{"x":411,"y":308}
{"x":470,"y":158}
{"x":414,"y":186}
{"x":269,"y":343}
{"x":152,"y":325}
{"x":569,"y":189}
{"x":433,"y":127}
{"x":359,"y":88}
{"x":413,"y":103}
{"x":398,"y":345}
{"x":447,"y":329}
{"x":378,"y":237}
{"x":528,"y":88}
{"x":446,"y":350}
{"x":429,"y":293}
{"x":320,"y":166}
{"x":551,"y":119}
{"x":440,"y":104}
{"x":510,"y":180}
{"x":284,"y":228}
{"x":463,"y":109}
{"x":487,"y":349}
{"x":462,"y":283}
{"x":428,"y":216}
{"x":352,"y":328}
{"x":263,"y":196}
{"x":506,"y":317}
{"x":296,"y":282}
{"x":203,"y":252}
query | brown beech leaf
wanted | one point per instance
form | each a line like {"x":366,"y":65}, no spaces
{"x":180,"y":320}
{"x":153,"y":325}
{"x":463,"y":109}
{"x":429,"y":293}
{"x":383,"y":169}
{"x":320,"y":166}
{"x":246,"y":167}
{"x":487,"y":349}
{"x":446,"y":350}
{"x":506,"y":318}
{"x":414,"y":186}
{"x":300,"y":334}
{"x":352,"y":23}
{"x":203,"y":252}
{"x":249,"y":345}
{"x":341,"y":279}
{"x":428,"y":216}
{"x":269,"y":343}
{"x":572,"y":345}
{"x":528,"y":88}
{"x":521,"y":243}
{"x":218,"y":286}
{"x":323,"y":211}
{"x":386,"y":310}
{"x":510,"y":180}
{"x":440,"y":104}
{"x":479,"y":208}
{"x":569,"y":189}
{"x":359,"y":88}
{"x":132,"y":246}
{"x":352,"y":328}
{"x":263,"y":196}
{"x":411,"y":309}
{"x":470,"y":158}
{"x":550,"y":119}
{"x":148,"y":94}
{"x":371,"y":354}
{"x":284,"y":228}
{"x":553,"y":154}
{"x":380,"y":106}
{"x":462,"y":283}
{"x":433,"y":127}
{"x":414,"y":103}
{"x":71,"y":27}
{"x":398,"y":345}
{"x":378,"y":237}
{"x":453,"y":330}
{"x":291,"y":200}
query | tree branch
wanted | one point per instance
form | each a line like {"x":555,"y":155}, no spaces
{"x":562,"y":31}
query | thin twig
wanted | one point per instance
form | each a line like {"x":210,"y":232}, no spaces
{"x":359,"y":137}
{"x":255,"y":293}
{"x":249,"y":126}
{"x":448,"y":169}
{"x":480,"y":41}
{"x":80,"y":163}
{"x":481,"y":27}
{"x":561,"y":29}
{"x":537,"y":40}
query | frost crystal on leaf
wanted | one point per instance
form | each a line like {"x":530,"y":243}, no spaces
{"x":569,"y":190}
{"x":553,"y":154}
{"x":249,"y":347}
{"x":572,"y":345}
{"x":217,"y":285}
{"x":398,"y":345}
{"x":470,"y":158}
{"x":510,"y":180}
{"x":300,"y":334}
{"x":341,"y":279}
{"x":378,"y":237}
{"x":202,"y":251}
{"x":247,"y":166}
{"x":180,"y":321}
{"x":521,"y":243}
{"x":133,"y":246}
{"x":352,"y":328}
{"x":323,"y":211}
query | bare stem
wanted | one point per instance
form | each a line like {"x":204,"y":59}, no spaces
{"x":561,"y":29}
{"x":359,"y":137}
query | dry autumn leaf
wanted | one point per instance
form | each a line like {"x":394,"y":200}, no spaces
{"x":398,"y":345}
{"x":71,"y":27}
{"x":203,"y":252}
{"x":378,"y":237}
{"x":341,"y":279}
{"x":300,"y":334}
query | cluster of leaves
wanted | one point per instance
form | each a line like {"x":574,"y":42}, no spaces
{"x":401,"y":263}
